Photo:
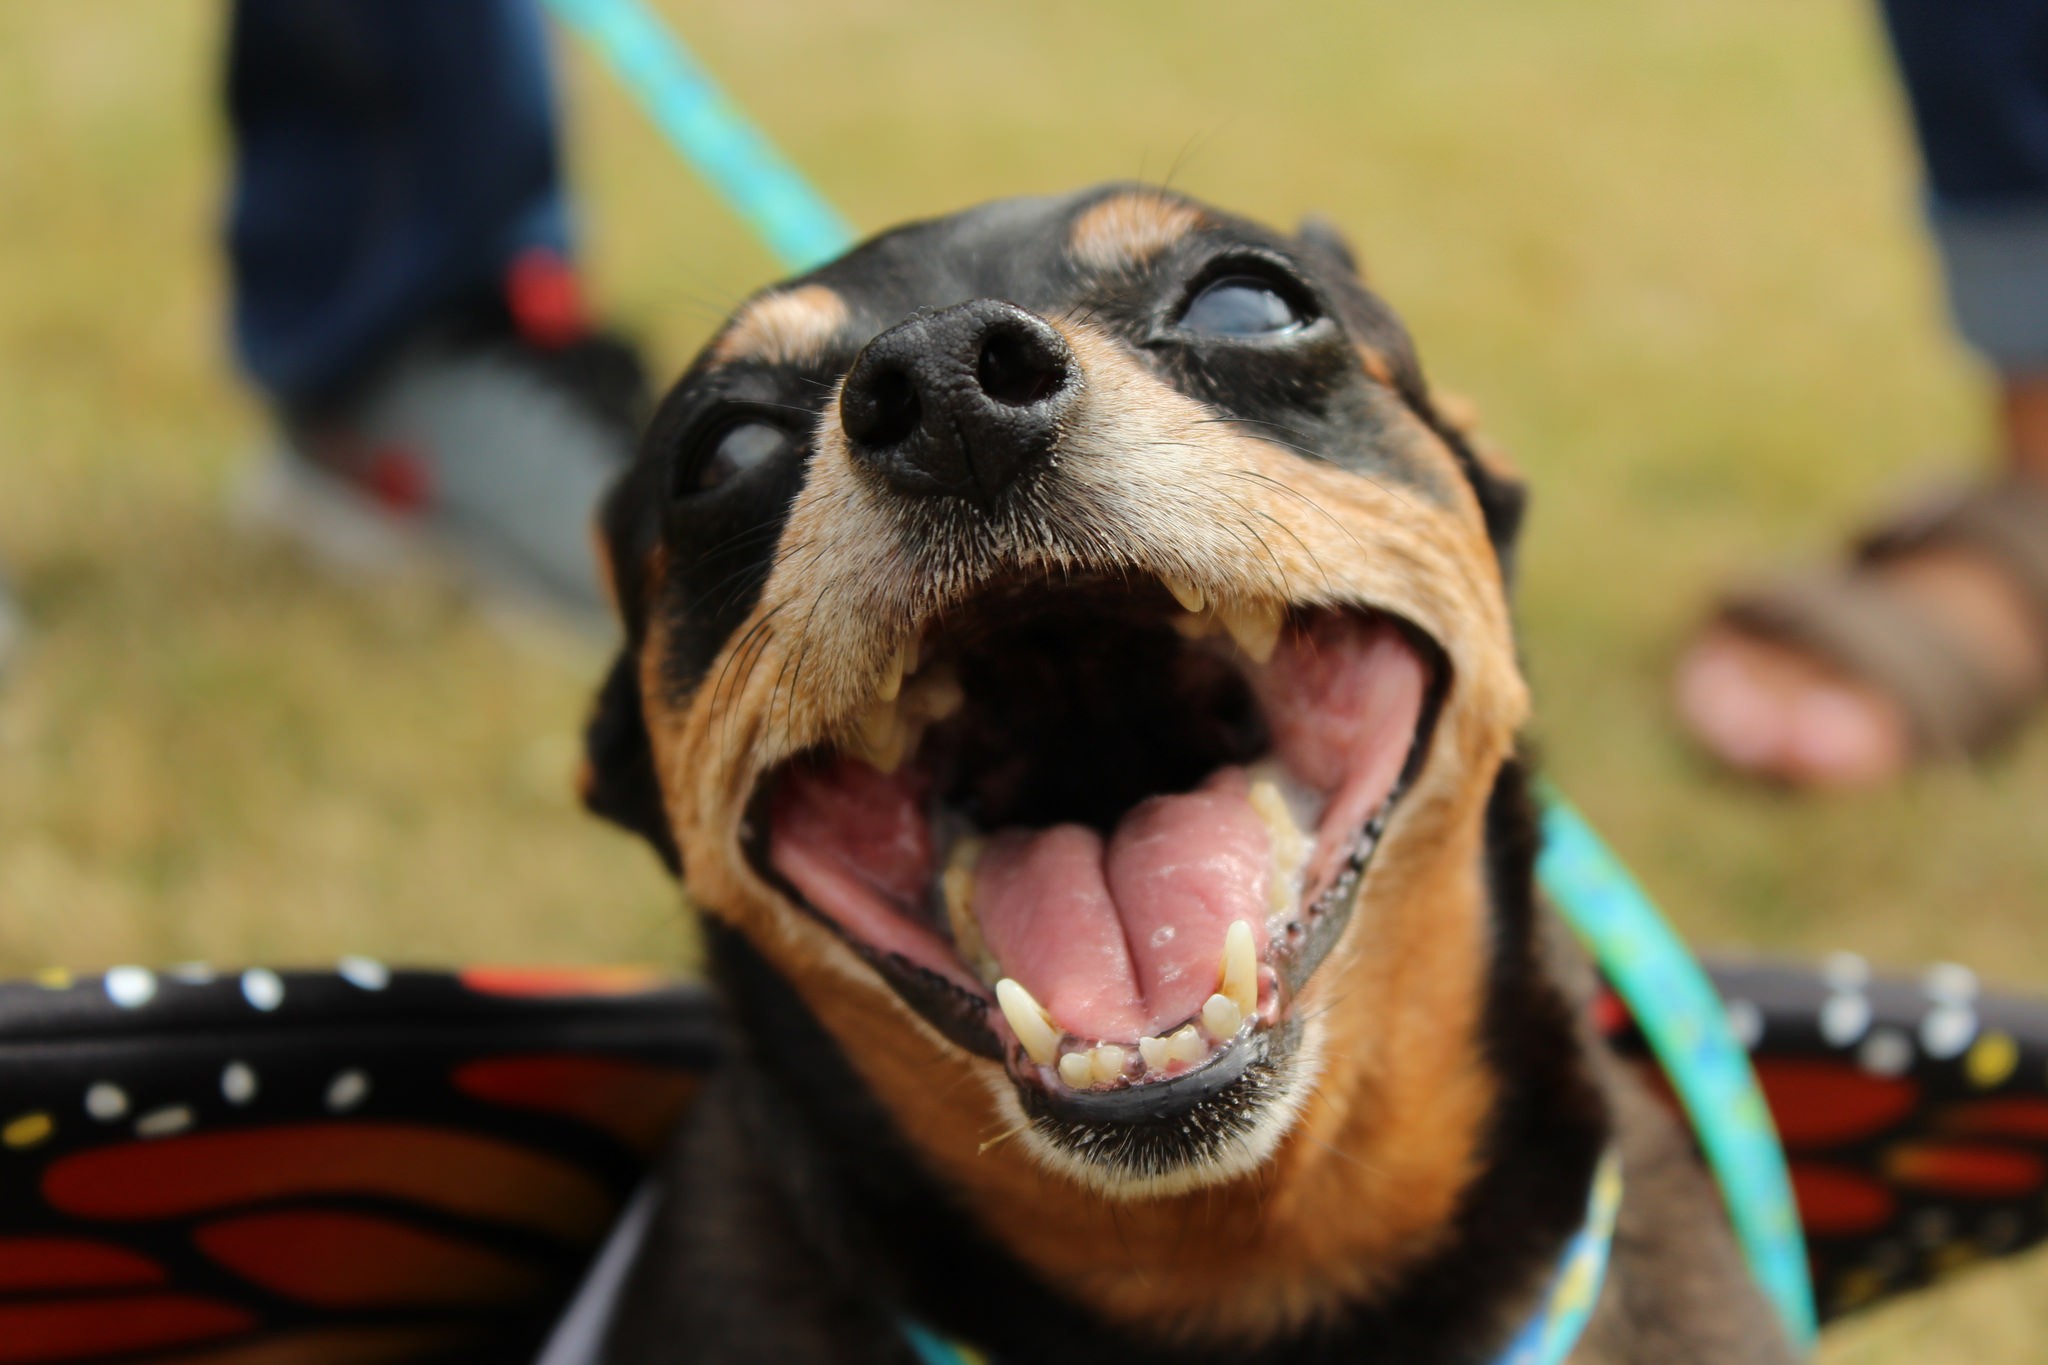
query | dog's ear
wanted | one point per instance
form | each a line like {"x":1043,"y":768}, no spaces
{"x":1321,"y":237}
{"x":1503,"y":496}
{"x":618,"y":780}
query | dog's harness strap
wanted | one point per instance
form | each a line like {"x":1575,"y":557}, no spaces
{"x":1681,"y":1015}
{"x":1549,"y":1337}
{"x":1546,"y":1339}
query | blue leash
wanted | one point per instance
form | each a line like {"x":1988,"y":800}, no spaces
{"x":711,"y":132}
{"x":1676,"y":1006}
{"x":1680,"y":1012}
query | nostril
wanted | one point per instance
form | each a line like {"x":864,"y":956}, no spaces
{"x":1018,"y":369}
{"x":888,"y":412}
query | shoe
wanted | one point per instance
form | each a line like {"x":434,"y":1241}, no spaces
{"x":482,"y":445}
{"x":1853,"y":674}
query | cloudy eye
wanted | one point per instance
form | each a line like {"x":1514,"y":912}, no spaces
{"x":735,"y":450}
{"x":1240,"y":306}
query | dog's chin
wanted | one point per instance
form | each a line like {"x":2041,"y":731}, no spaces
{"x":1102,"y":836}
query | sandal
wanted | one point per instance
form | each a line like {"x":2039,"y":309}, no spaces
{"x":1953,"y":704}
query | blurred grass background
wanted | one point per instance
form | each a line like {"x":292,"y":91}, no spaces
{"x":1670,"y":246}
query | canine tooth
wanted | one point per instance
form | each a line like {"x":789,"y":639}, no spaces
{"x":1255,"y":627}
{"x":1187,"y":594}
{"x":956,"y":884}
{"x":891,"y":685}
{"x":1221,"y":1016}
{"x":911,"y":650}
{"x":1153,"y":1052}
{"x":1290,"y":848}
{"x":1240,"y":980}
{"x":883,"y":738}
{"x":1186,"y":1045}
{"x":1077,"y":1070}
{"x":1194,"y":627}
{"x":1029,"y":1021}
{"x":1106,"y":1063}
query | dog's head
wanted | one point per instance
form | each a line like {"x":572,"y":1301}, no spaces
{"x":1068,"y":642}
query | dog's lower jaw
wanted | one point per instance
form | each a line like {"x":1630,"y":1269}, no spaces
{"x":985,"y":1244}
{"x":1219,"y":1152}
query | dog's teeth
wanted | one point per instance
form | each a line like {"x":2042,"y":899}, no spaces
{"x":1255,"y":627}
{"x":1077,"y":1069}
{"x":891,"y":685}
{"x":1029,"y":1021}
{"x":1240,"y":977}
{"x":1106,"y":1063}
{"x":956,"y":885}
{"x":1221,"y":1016}
{"x":1190,"y":626}
{"x":1153,"y":1052}
{"x":883,"y":738}
{"x":910,"y":652}
{"x":1186,"y":1045}
{"x":1289,"y":847}
{"x":1187,"y":594}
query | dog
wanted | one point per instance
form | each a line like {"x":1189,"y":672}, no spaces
{"x":1068,"y":661}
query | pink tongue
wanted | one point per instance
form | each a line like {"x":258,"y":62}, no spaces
{"x":1126,"y":942}
{"x":1122,"y":940}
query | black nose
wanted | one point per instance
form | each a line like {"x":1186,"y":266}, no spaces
{"x":962,"y":402}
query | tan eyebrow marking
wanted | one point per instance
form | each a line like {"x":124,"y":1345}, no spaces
{"x":1376,"y":365}
{"x":791,"y":327}
{"x":1130,"y":229}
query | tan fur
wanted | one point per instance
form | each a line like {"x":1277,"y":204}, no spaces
{"x":1376,"y":365}
{"x":1392,"y":1090}
{"x":789,"y":327}
{"x":1128,"y":230}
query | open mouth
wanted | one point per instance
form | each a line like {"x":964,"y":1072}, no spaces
{"x":1105,"y":833}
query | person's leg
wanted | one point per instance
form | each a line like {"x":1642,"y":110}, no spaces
{"x":398,"y":242}
{"x":1976,"y":77}
{"x":393,"y":159}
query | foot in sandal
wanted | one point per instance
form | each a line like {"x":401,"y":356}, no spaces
{"x":1930,"y":643}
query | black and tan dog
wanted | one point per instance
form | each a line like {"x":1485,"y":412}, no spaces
{"x":1069,"y":660}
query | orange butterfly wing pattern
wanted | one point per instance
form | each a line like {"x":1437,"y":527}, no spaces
{"x":1914,"y":1113}
{"x":367,"y":1166}
{"x":351,"y":1167}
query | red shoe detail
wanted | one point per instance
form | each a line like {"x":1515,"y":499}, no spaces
{"x":397,"y":477}
{"x":546,"y":299}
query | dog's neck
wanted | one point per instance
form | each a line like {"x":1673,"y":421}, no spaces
{"x":865,"y":1204}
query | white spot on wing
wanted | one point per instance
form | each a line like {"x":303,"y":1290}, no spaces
{"x":262,"y":988}
{"x":106,"y":1101}
{"x":131,"y":987}
{"x":364,"y":973}
{"x":347,"y":1090}
{"x":172,"y":1118}
{"x":237,"y":1083}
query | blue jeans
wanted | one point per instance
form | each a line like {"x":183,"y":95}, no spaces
{"x":1976,"y":75}
{"x":392,"y":157}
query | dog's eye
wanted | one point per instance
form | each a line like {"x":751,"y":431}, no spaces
{"x":1240,"y":306}
{"x":740,"y":447}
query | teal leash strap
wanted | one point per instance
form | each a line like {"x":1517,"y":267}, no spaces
{"x":711,"y":132}
{"x":1680,"y":1013}
{"x":930,"y":1348}
{"x":1673,"y":1001}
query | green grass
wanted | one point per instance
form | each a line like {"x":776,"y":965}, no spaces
{"x":1669,"y":247}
